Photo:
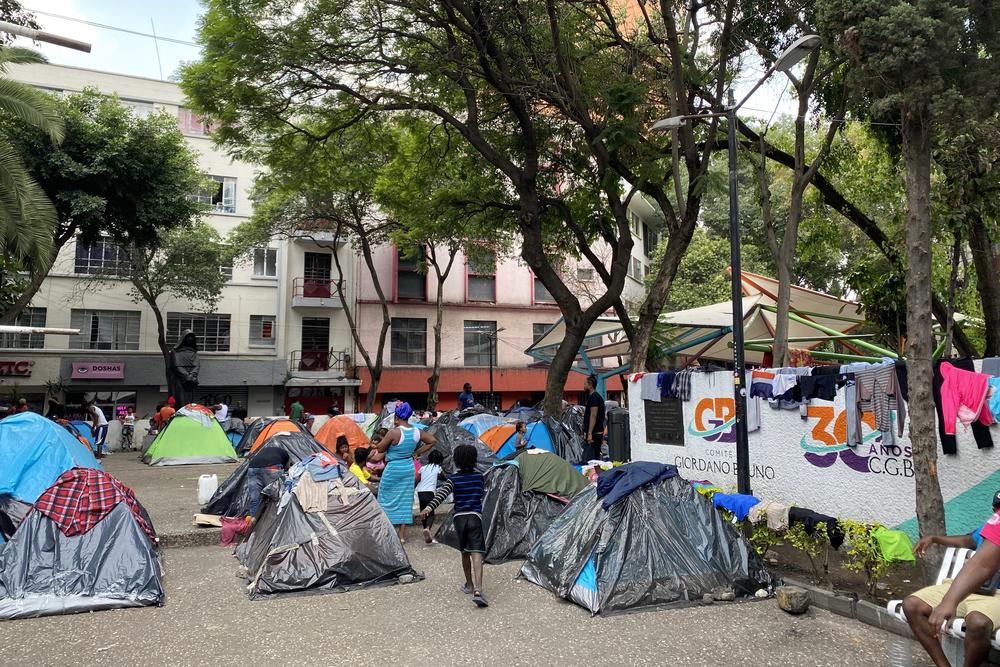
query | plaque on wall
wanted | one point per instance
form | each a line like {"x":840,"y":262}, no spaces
{"x":664,"y":421}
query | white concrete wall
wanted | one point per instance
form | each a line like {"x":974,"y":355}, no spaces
{"x":871,"y":483}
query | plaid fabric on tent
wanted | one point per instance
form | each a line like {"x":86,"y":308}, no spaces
{"x":81,"y":497}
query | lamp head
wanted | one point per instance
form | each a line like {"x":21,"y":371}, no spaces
{"x":668,"y":124}
{"x":796,"y":51}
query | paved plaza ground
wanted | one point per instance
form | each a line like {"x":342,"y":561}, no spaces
{"x":208,"y":620}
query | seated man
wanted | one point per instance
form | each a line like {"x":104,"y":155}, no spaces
{"x":265,"y":466}
{"x":929,"y":608}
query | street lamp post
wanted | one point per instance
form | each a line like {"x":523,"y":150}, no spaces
{"x":492,"y":336}
{"x":798,"y":50}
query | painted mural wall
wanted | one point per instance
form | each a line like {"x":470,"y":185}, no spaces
{"x":803,"y":460}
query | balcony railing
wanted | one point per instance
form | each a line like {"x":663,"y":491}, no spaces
{"x":315,"y":293}
{"x":319,"y":361}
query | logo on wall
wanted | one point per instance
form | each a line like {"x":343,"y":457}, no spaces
{"x":827,"y":441}
{"x":15,"y":368}
{"x":714,"y":420}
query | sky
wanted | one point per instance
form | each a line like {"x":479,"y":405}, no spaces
{"x":135,"y":55}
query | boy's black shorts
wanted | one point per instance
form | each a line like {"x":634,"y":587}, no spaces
{"x":469,"y":527}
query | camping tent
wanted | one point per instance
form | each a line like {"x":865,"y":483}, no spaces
{"x":34,"y":452}
{"x":366,"y":421}
{"x":80,"y":551}
{"x":450,"y":437}
{"x":263,"y":428}
{"x":349,"y":545}
{"x":341,"y":425}
{"x":84,"y":429}
{"x":660,"y":544}
{"x":523,"y":497}
{"x":192,"y":435}
{"x":232,"y":498}
{"x":547,"y":433}
{"x":479,"y":424}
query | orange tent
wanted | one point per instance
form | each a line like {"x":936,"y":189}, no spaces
{"x":273,"y":428}
{"x":496,"y":436}
{"x":341,"y":425}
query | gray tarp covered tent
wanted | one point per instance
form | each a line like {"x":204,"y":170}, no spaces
{"x":111,"y":566}
{"x":451,"y":436}
{"x":350,"y":545}
{"x":232,"y":498}
{"x":661,"y":545}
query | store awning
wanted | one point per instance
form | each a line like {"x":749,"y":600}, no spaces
{"x":321,"y":382}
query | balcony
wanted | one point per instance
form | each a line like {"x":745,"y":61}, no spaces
{"x":315,"y":293}
{"x":318,"y":363}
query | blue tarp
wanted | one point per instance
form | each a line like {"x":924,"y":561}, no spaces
{"x":479,"y":424}
{"x":84,"y":429}
{"x":34,"y":451}
{"x":538,"y":437}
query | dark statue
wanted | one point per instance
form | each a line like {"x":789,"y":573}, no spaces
{"x":184,"y":366}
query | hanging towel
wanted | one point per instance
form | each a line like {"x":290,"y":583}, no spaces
{"x":649,"y":389}
{"x":761,"y":384}
{"x":774,"y":512}
{"x":737,"y":503}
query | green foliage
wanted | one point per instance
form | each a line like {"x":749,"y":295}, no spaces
{"x":812,"y":546}
{"x":762,"y":538}
{"x":864,"y":555}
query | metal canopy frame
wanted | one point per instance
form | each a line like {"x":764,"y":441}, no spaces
{"x":546,"y":353}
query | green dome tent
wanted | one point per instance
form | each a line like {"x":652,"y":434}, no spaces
{"x":192,"y":436}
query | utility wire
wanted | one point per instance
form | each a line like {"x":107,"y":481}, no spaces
{"x":112,"y":27}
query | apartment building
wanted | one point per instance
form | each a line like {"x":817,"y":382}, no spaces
{"x":493,"y":311}
{"x":277,"y":333}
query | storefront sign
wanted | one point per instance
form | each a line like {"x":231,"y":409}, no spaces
{"x":15,"y":368}
{"x":98,"y":370}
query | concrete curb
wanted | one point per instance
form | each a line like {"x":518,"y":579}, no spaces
{"x":848,"y":605}
{"x":201,"y":537}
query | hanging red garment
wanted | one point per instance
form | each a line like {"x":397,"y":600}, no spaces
{"x":81,"y":497}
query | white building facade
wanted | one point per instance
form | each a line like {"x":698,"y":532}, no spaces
{"x":276,"y":334}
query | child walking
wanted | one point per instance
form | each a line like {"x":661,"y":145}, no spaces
{"x":427,"y":481}
{"x":467,"y":486}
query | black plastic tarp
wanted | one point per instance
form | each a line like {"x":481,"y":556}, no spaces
{"x":113,"y":565}
{"x":232,"y":498}
{"x":346,"y":547}
{"x":662,"y":545}
{"x":566,"y":443}
{"x":449,"y":437}
{"x":513,"y":519}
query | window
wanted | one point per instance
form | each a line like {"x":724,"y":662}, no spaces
{"x":29,"y":317}
{"x":650,"y":240}
{"x":584,"y":275}
{"x":103,"y":257}
{"x":188,"y":122}
{"x":409,"y":341}
{"x":541,"y":293}
{"x":212,"y":330}
{"x":226,"y":269}
{"x":262,"y":330}
{"x":105,"y":329}
{"x":265,"y":262}
{"x":219,"y":192}
{"x":635,"y":269}
{"x":410,"y":283}
{"x":538,"y":330}
{"x":635,"y":222}
{"x":482,"y":284}
{"x":479,"y":347}
{"x":591,"y":342}
{"x":140,"y":109}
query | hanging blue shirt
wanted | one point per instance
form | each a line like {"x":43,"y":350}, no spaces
{"x":737,"y":503}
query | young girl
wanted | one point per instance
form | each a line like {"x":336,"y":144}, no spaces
{"x":427,"y":480}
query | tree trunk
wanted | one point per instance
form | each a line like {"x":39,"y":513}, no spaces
{"x":987,"y":281}
{"x":559,"y":370}
{"x":22,"y":302}
{"x":956,"y":254}
{"x":643,"y":356}
{"x":920,"y":337}
{"x":435,"y":377}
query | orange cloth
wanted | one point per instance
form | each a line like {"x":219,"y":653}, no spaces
{"x":166,"y":412}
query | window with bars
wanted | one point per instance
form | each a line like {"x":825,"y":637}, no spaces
{"x":479,"y":347}
{"x":105,"y":329}
{"x":265,"y":262}
{"x":542,"y":294}
{"x":538,"y":330}
{"x":409,"y":341}
{"x":584,"y":275}
{"x":635,"y":269}
{"x":219,"y":193}
{"x":262,"y":330}
{"x":212,"y":330}
{"x":29,"y":317}
{"x":481,"y":279}
{"x":102,"y":257}
{"x":635,"y":222}
{"x":410,"y":283}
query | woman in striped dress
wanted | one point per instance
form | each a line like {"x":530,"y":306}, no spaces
{"x":400,"y":445}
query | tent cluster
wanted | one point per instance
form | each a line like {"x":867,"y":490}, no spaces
{"x":74,"y":538}
{"x":317,"y":528}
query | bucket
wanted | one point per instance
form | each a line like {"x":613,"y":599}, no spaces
{"x":207,"y":485}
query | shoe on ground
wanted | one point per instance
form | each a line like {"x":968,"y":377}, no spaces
{"x":427,"y":536}
{"x":465,"y":590}
{"x":480,"y":600}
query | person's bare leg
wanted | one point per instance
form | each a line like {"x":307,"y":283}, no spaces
{"x":467,"y":568}
{"x":978,"y":630}
{"x":477,"y":572}
{"x":918,"y":615}
{"x":401,"y":529}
